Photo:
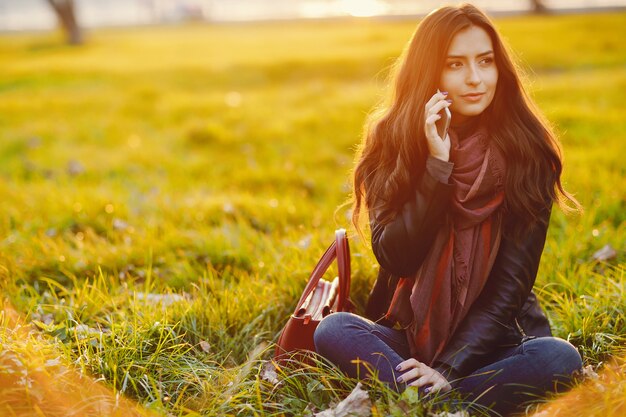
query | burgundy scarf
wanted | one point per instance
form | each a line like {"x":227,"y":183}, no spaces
{"x":432,"y":303}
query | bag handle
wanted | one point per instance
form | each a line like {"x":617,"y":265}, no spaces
{"x":338,"y":249}
{"x":343,"y":265}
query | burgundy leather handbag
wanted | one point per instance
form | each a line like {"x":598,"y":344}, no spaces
{"x":319,"y":299}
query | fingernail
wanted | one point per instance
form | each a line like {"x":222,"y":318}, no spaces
{"x":398,"y":368}
{"x":449,"y":100}
{"x":445,"y":93}
{"x":399,"y":379}
{"x":427,"y":390}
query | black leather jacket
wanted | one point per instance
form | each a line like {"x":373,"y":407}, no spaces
{"x":505,"y":312}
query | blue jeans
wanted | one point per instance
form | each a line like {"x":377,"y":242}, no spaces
{"x":515,"y":374}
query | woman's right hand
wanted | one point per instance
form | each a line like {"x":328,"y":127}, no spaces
{"x":421,"y":375}
{"x":438,"y":147}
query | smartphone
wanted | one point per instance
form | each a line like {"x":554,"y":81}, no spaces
{"x":444,"y":123}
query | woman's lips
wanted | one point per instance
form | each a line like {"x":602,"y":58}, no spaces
{"x":473,"y":97}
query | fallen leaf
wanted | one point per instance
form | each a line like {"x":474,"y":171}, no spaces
{"x":74,"y":168}
{"x":587,"y":372}
{"x":305,"y":242}
{"x":119,"y":224}
{"x":205,"y":346}
{"x":268,"y":373}
{"x":44,"y":318}
{"x":357,"y":404}
{"x":34,"y":142}
{"x":411,"y":396}
{"x":607,"y":252}
{"x":461,"y":413}
{"x":53,"y":362}
{"x":83,"y":331}
{"x":228,"y":207}
{"x":164,"y":299}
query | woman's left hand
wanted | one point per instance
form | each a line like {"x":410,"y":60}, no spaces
{"x":425,"y":376}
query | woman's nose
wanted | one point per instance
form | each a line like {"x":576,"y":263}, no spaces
{"x":472,"y":77}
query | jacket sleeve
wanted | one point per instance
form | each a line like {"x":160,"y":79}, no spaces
{"x":401,"y":245}
{"x":509,"y":284}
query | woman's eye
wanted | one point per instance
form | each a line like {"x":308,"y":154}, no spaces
{"x":486,"y":61}
{"x":454,"y":64}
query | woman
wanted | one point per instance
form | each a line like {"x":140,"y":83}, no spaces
{"x":458,"y":226}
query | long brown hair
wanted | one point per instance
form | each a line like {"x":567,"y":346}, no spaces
{"x":392,"y":155}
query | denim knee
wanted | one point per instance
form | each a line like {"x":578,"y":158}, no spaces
{"x":329,"y":330}
{"x":562,"y":356}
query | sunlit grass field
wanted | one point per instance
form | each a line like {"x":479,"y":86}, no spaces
{"x":165,"y":192}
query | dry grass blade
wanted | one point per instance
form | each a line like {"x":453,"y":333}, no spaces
{"x":600,"y":395}
{"x":32,"y":382}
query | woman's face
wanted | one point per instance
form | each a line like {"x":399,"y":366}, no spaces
{"x":469,"y":74}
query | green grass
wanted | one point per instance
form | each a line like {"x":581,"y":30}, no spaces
{"x":208,"y":162}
